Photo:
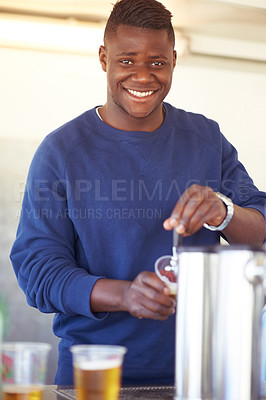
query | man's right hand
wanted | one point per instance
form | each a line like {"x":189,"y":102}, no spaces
{"x":145,"y":297}
{"x":148,"y":297}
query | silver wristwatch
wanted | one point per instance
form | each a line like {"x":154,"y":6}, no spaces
{"x":230,"y":212}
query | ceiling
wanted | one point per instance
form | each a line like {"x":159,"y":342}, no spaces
{"x":227,"y":28}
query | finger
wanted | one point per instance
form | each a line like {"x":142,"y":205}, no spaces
{"x":199,"y":210}
{"x":199,"y":217}
{"x":178,"y":219}
{"x":211,"y":211}
{"x":150,"y":279}
{"x":174,"y":220}
{"x":202,"y":206}
{"x":153,"y":310}
{"x":158,"y":297}
{"x":141,"y":306}
{"x":147,"y":286}
{"x":193,"y":207}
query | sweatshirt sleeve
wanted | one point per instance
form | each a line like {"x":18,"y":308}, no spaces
{"x":236,"y":182}
{"x":43,"y":254}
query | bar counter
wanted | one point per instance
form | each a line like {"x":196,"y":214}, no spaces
{"x":53,"y":392}
{"x":127,"y":393}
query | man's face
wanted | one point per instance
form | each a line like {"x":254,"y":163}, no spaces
{"x":139,"y":64}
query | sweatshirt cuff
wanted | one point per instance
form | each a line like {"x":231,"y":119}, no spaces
{"x":76,"y":295}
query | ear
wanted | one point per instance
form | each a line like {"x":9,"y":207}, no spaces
{"x":102,"y":57}
{"x":174,"y":58}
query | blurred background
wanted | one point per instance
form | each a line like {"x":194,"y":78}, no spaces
{"x":50,"y":73}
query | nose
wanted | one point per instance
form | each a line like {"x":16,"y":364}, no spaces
{"x":142,"y":74}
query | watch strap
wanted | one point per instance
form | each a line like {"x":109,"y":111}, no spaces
{"x":230,"y":212}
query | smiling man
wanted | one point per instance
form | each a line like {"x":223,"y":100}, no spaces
{"x":139,"y":64}
{"x":105,"y":191}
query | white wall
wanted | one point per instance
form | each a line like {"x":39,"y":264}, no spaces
{"x":40,"y":91}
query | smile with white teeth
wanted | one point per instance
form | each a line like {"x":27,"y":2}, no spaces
{"x":140,"y":94}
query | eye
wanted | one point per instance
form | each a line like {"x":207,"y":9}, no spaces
{"x":126,"y":62}
{"x":157,"y":64}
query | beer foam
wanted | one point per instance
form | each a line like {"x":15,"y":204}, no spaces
{"x":21,"y":389}
{"x":173,"y":287}
{"x":98,"y":364}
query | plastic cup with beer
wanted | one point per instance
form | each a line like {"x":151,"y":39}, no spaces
{"x":97,"y":371}
{"x":24,"y":366}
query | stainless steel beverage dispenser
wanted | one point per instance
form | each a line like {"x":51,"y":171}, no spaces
{"x":240,"y":299}
{"x":218,"y":323}
{"x":196,"y":311}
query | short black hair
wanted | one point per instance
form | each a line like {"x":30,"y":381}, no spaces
{"x":149,"y":14}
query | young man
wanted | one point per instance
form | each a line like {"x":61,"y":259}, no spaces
{"x":104,"y":192}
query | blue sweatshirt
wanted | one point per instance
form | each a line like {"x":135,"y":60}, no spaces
{"x":94,"y":205}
